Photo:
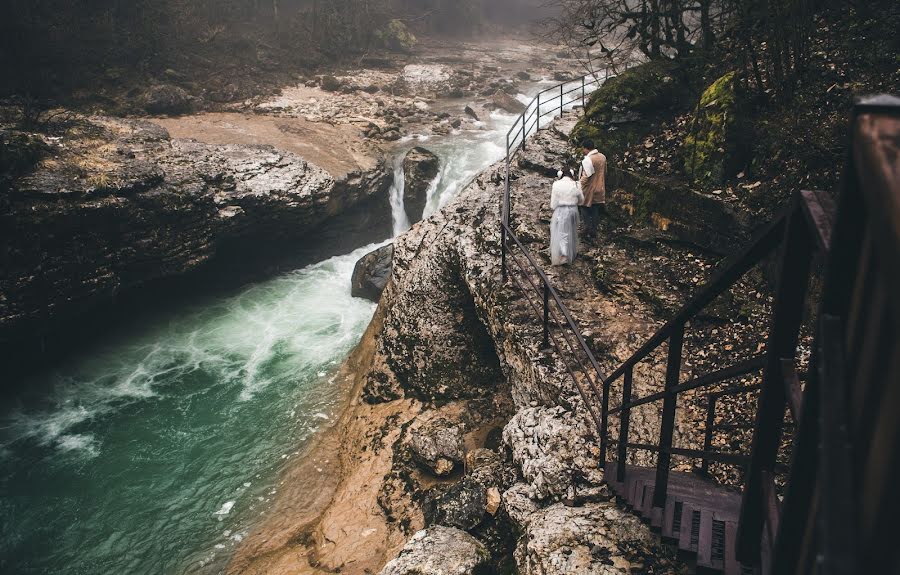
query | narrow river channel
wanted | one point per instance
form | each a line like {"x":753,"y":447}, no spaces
{"x":156,"y":452}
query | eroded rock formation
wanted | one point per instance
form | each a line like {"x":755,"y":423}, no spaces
{"x":439,"y":551}
{"x":420,"y":167}
{"x":117,"y":205}
{"x":371,"y":273}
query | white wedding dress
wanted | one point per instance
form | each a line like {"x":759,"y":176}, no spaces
{"x":564,"y":199}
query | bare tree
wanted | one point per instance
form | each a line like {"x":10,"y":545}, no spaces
{"x":767,"y":40}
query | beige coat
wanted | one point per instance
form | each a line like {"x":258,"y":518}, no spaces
{"x":593,"y":178}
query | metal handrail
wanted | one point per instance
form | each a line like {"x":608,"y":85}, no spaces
{"x":528,"y":121}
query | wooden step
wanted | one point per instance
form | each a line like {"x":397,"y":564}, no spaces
{"x":699,"y":517}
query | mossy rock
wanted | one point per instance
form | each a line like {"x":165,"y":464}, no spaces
{"x":715,"y":149}
{"x":625,"y":108}
{"x":673,"y":209}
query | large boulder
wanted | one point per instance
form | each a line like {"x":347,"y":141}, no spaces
{"x":596,"y":539}
{"x":372,"y":273}
{"x":507,"y":103}
{"x":440,"y":550}
{"x":438,"y":446}
{"x":716,"y":148}
{"x":550,"y":446}
{"x":166,"y":99}
{"x":626,"y":107}
{"x":420,"y":168}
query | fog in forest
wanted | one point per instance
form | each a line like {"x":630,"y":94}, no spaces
{"x":48,"y":49}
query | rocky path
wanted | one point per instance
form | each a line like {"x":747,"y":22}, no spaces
{"x":626,"y":284}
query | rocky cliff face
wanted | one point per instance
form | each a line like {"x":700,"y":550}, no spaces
{"x":451,"y":330}
{"x":117,"y":205}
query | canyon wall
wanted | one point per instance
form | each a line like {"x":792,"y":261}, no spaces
{"x":116,"y":211}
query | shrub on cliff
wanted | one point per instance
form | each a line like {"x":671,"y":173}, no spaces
{"x":396,"y":36}
{"x":625,"y":108}
{"x":715,"y":149}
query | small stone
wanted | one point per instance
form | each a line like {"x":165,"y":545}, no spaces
{"x":493,"y":500}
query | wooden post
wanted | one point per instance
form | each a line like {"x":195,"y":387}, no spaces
{"x":787,"y":314}
{"x":673,"y":373}
{"x":708,"y":433}
{"x":624,"y":421}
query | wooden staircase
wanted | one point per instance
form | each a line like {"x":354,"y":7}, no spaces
{"x":700,"y":516}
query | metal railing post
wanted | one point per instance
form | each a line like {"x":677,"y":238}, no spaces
{"x":504,"y":216}
{"x":524,"y":134}
{"x":582,"y":92}
{"x":503,"y":252}
{"x":546,"y":316}
{"x":604,"y":421}
{"x":708,"y":432}
{"x":561,"y":102}
{"x":673,"y":373}
{"x":538,"y":112}
{"x":624,"y":421}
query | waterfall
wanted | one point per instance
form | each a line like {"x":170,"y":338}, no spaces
{"x":399,"y":218}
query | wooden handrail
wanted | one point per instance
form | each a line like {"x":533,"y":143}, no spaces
{"x":763,"y":244}
{"x":736,"y":370}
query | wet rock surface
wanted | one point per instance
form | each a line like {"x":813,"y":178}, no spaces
{"x":371,"y":273}
{"x":420,"y":168}
{"x":440,"y":551}
{"x":507,"y":103}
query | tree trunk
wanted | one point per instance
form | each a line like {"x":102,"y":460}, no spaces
{"x":706,"y":25}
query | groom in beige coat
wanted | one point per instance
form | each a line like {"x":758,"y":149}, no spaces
{"x":593,"y":185}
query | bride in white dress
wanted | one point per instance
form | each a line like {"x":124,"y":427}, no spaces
{"x":564,"y":200}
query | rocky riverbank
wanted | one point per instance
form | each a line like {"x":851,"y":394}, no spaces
{"x":463,"y":433}
{"x":116,"y":208}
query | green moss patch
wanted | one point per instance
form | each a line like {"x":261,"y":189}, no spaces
{"x":626,"y":108}
{"x":714,"y":149}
